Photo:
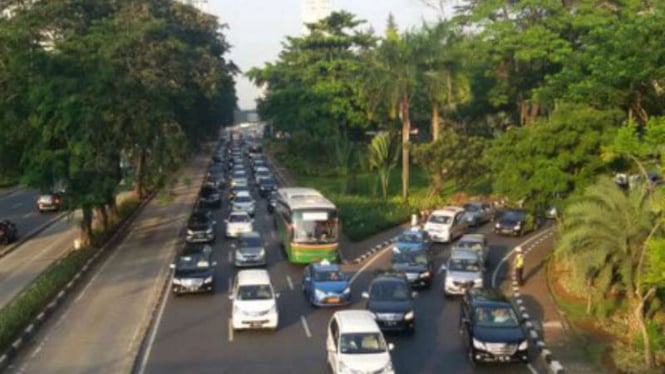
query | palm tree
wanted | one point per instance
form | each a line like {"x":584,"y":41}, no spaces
{"x":611,"y":230}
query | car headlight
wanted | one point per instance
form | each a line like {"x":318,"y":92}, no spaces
{"x":497,"y":225}
{"x":523,"y":345}
{"x":478,"y":344}
{"x":409,"y":315}
{"x":518,"y":226}
{"x":177,"y":281}
{"x":208,"y":280}
{"x":478,"y":282}
{"x":209,"y":231}
{"x":262,"y":253}
{"x":425,"y":274}
{"x":319,"y":294}
{"x":190,"y":232}
{"x":347,"y":290}
{"x":239,"y":256}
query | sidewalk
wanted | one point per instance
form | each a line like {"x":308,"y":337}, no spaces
{"x":561,"y":344}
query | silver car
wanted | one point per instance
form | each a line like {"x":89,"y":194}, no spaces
{"x":475,"y":243}
{"x":243,"y":202}
{"x":238,"y":223}
{"x":478,"y":213}
{"x":250,"y":250}
{"x":463,"y":271}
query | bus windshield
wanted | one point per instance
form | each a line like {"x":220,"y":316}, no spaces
{"x":315,"y":227}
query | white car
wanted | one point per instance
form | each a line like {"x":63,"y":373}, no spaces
{"x":465,"y":270}
{"x":243,"y":202}
{"x":238,"y":223}
{"x":447,"y":224}
{"x":355,"y":344}
{"x":239,"y":182}
{"x":254,"y":301}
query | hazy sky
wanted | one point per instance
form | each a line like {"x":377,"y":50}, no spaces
{"x":256,"y":28}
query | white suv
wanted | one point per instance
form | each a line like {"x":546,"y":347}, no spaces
{"x":355,"y":344}
{"x":254,"y":301}
{"x":447,"y":224}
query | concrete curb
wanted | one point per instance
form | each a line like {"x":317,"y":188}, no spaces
{"x":29,"y":332}
{"x":24,"y":238}
{"x":377,"y":248}
{"x":553,"y":365}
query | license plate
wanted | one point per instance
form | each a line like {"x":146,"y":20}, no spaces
{"x":333,"y":300}
{"x":391,"y":323}
{"x":256,"y":324}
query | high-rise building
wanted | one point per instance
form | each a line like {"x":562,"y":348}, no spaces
{"x":314,"y":10}
{"x":201,"y":5}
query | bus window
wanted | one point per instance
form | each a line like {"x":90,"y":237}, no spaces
{"x":315,"y":227}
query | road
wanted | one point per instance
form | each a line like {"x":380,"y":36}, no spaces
{"x":20,"y":208}
{"x":193,"y":333}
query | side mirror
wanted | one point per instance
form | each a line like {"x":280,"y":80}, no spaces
{"x":277,"y":294}
{"x":230,"y":296}
{"x":391,"y":346}
{"x":172,"y":266}
{"x":414,"y":294}
{"x":365,"y":295}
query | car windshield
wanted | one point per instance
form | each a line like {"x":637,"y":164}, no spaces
{"x":239,"y":174}
{"x":411,"y":258}
{"x":254,"y":292}
{"x":195,"y":261}
{"x":440,"y":219}
{"x":251,"y":241}
{"x":360,"y":343}
{"x":238,"y":218}
{"x":474,"y":246}
{"x":315,"y":227}
{"x":390,"y":291}
{"x":199,"y":217}
{"x":242,"y":199}
{"x":495,"y":316}
{"x":328,"y":276}
{"x":471,"y":207}
{"x":208,"y":190}
{"x":513,"y":216}
{"x":464,"y":265}
{"x":410,"y":238}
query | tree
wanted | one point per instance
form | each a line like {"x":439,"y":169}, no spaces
{"x":383,"y":154}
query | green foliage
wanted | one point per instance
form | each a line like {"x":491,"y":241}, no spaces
{"x":383,"y":156}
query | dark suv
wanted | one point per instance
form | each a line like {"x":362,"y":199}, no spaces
{"x":194,"y":270}
{"x":201,"y":227}
{"x":8,"y":232}
{"x":515,"y":222}
{"x":415,"y":263}
{"x":491,"y":329}
{"x":391,"y":300}
{"x":266,"y":186}
{"x":210,"y":196}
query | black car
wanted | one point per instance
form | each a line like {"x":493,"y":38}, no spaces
{"x":216,"y":171}
{"x":8,"y":232}
{"x":415,"y":263}
{"x":272,"y":201}
{"x":201,"y":227}
{"x":515,"y":222}
{"x":491,"y":329}
{"x":391,"y":301}
{"x":213,"y":181}
{"x":266,"y":186}
{"x":194,"y":270}
{"x":210,"y":196}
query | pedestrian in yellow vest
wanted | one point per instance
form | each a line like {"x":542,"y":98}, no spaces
{"x":519,"y":265}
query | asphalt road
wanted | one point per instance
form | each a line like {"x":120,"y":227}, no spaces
{"x":20,"y":207}
{"x":193,"y":333}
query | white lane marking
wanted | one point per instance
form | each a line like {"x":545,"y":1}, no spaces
{"x":153,"y":333}
{"x":532,"y":369}
{"x":305,"y":326}
{"x":288,"y":279}
{"x":507,"y":256}
{"x":17,"y":205}
{"x":36,"y":352}
{"x":368,"y":263}
{"x":230,"y":329}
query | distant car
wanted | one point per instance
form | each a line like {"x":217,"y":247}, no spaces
{"x":214,"y":182}
{"x":355,"y":344}
{"x":201,"y":227}
{"x":490,"y":328}
{"x":473,"y":242}
{"x":243,"y":202}
{"x":464,"y":271}
{"x":239,"y":182}
{"x":515,"y":222}
{"x":261,"y":172}
{"x":447,"y":224}
{"x":49,"y":202}
{"x":272,"y":202}
{"x":8,"y":232}
{"x":324,"y":284}
{"x":238,"y":223}
{"x":415,"y":263}
{"x":413,"y":238}
{"x":478,"y":213}
{"x":216,"y":171}
{"x":391,"y":301}
{"x":254,"y":301}
{"x":250,"y":250}
{"x":210,"y":196}
{"x":194,"y":270}
{"x":267,"y":185}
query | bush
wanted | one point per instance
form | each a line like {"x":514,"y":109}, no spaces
{"x":128,"y":206}
{"x":18,"y":314}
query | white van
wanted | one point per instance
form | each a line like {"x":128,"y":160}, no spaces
{"x":447,"y":224}
{"x":355,"y":344}
{"x":254,"y":301}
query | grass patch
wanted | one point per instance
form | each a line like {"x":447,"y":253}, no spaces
{"x":6,"y":182}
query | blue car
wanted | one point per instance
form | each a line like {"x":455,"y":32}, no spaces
{"x":414,"y":238}
{"x":324,"y":284}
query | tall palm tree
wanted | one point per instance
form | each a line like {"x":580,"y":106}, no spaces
{"x":611,"y":229}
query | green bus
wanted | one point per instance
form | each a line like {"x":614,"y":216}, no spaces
{"x":307,"y":224}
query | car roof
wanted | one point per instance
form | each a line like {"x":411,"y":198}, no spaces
{"x":447,"y":211}
{"x":318,"y":266}
{"x":253,"y":276}
{"x":387,"y":275}
{"x":487,"y":296}
{"x":356,"y":321}
{"x":236,"y":213}
{"x":463,"y":254}
{"x":243,"y":193}
{"x":195,"y":249}
{"x":472,"y":238}
{"x":252,"y":234}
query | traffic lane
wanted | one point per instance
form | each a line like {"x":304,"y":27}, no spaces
{"x":196,"y":336}
{"x":20,"y":267}
{"x":20,"y":208}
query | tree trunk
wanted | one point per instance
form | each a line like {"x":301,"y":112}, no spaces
{"x":140,"y":174}
{"x":86,"y":226}
{"x":639,"y":317}
{"x":406,"y":133}
{"x":435,"y":122}
{"x":112,"y":210}
{"x":102,"y":218}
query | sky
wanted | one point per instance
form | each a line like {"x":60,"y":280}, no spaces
{"x":257,"y":28}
